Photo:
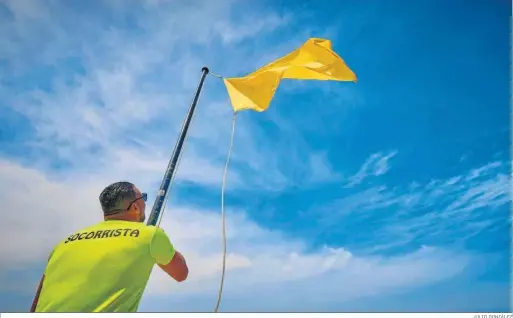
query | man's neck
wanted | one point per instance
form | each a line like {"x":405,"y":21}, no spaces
{"x":120,"y":217}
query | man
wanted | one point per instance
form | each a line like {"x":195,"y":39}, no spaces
{"x":105,"y":267}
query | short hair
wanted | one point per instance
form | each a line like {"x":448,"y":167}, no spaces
{"x":115,"y":195}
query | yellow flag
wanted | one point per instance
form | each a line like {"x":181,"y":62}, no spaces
{"x":314,"y":60}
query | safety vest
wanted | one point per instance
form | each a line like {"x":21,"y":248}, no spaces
{"x":103,"y":268}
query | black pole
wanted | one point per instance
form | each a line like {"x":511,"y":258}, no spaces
{"x":164,"y":187}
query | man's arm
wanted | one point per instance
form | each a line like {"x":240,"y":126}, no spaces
{"x":171,"y":261}
{"x":176,"y":268}
{"x":38,"y":292}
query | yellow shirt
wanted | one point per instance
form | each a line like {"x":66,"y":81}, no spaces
{"x":103,"y":268}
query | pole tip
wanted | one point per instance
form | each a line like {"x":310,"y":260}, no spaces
{"x":205,"y":69}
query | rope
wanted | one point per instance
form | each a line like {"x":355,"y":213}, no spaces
{"x":223,"y":221}
{"x":216,"y":75}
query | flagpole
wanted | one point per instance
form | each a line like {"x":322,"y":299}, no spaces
{"x":171,"y":167}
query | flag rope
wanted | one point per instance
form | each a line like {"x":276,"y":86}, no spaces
{"x":319,"y":62}
{"x":223,"y":215}
{"x":223,"y":218}
{"x":216,"y":75}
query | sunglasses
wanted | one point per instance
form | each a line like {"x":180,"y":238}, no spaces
{"x":144,"y":197}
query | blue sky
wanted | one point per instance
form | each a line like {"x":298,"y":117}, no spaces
{"x":391,"y":194}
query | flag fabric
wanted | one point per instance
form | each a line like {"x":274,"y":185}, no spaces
{"x":314,"y":60}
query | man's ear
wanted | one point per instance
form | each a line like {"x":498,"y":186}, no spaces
{"x":134,"y":211}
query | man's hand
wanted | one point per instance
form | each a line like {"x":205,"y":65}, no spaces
{"x":176,"y":268}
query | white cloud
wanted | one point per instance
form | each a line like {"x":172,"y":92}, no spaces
{"x":376,"y":165}
{"x":118,"y":117}
{"x":249,"y":26}
{"x":321,"y":169}
{"x":54,"y":208}
{"x":132,"y":93}
{"x":453,"y":209}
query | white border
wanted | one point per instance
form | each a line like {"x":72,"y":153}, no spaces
{"x":275,"y":315}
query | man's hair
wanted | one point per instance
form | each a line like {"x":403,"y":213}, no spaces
{"x":115,"y":195}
